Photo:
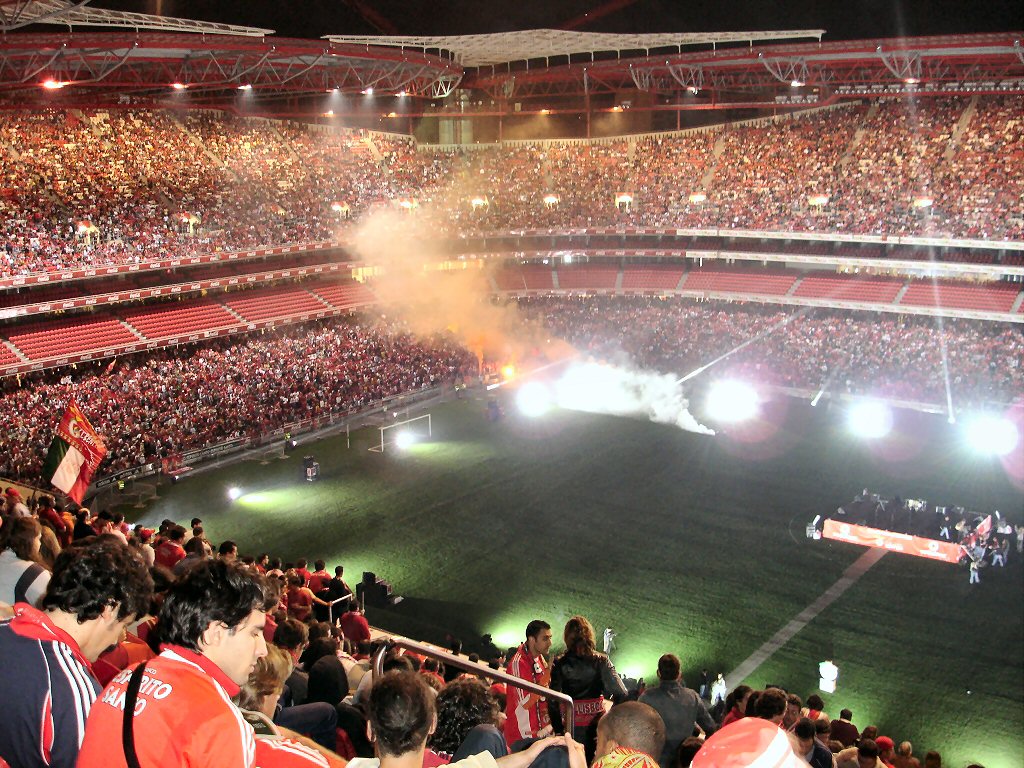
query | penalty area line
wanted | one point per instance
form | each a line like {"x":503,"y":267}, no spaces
{"x":850,"y":577}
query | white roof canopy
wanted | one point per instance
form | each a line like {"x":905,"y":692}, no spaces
{"x":505,"y":47}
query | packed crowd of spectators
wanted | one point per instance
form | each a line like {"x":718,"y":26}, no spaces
{"x":155,"y":406}
{"x":311,"y":650}
{"x":83,"y":188}
{"x":900,"y":357}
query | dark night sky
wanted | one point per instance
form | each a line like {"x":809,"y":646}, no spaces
{"x":851,"y":19}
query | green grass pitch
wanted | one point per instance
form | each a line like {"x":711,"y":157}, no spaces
{"x":681,"y":542}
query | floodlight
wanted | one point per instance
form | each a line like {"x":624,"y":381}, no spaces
{"x":732,"y":401}
{"x":870,"y":418}
{"x":179,"y":86}
{"x":53,"y":85}
{"x":367,"y":91}
{"x":991,"y":435}
{"x":533,"y":399}
{"x":234,"y":492}
{"x":797,"y":83}
{"x":245,"y":87}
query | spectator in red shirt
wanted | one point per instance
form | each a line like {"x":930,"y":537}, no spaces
{"x":170,"y":550}
{"x":355,"y":626}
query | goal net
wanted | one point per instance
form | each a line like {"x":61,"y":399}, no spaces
{"x":402,"y":434}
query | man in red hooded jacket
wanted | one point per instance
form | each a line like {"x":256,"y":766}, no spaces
{"x":48,"y":683}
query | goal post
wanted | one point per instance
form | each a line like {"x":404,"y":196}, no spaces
{"x":402,"y":433}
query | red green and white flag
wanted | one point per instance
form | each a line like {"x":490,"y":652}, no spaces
{"x":75,"y":453}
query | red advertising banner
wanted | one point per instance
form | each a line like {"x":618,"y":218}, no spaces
{"x":903,"y":543}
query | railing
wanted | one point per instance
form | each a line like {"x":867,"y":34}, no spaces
{"x":451,"y":659}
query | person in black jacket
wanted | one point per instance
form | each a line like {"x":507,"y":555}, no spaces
{"x":589,"y":677}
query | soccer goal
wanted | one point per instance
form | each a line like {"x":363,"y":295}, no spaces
{"x":402,"y":434}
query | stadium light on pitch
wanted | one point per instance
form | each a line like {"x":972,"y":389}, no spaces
{"x":732,"y":401}
{"x":405,"y":439}
{"x":533,"y":399}
{"x":870,"y":419}
{"x":991,"y":435}
{"x":234,"y":492}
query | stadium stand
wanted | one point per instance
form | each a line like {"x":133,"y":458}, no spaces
{"x":82,"y":188}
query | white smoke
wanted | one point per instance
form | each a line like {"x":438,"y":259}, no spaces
{"x":620,"y":391}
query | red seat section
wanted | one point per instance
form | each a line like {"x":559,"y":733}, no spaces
{"x":764,"y":283}
{"x":274,"y":302}
{"x":875,"y":290}
{"x":343,"y":295}
{"x":651,"y":278}
{"x":538,"y":278}
{"x":510,"y":280}
{"x":163,"y":321}
{"x":587,"y":277}
{"x":38,"y":341}
{"x":994,"y":297}
{"x":7,"y":357}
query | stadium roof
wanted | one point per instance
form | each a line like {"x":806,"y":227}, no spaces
{"x":506,"y":47}
{"x":15,"y":14}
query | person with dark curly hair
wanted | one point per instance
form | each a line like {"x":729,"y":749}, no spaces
{"x":401,"y":716}
{"x":211,"y":629}
{"x":95,"y":591}
{"x":465,"y":706}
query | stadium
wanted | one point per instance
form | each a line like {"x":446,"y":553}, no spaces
{"x":712,"y":337}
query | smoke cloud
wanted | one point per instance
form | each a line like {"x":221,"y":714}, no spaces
{"x":434,"y":291}
{"x":621,"y":391}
